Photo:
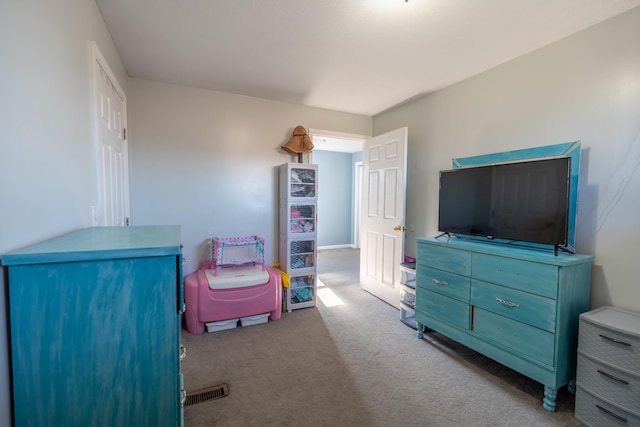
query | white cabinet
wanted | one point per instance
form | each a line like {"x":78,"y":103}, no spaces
{"x":608,"y":379}
{"x":408,"y":293}
{"x":297,"y":244}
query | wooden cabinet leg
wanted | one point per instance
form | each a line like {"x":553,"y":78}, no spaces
{"x":419,"y":328}
{"x":549,"y":401}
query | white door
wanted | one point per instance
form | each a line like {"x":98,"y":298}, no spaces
{"x":384,"y":160}
{"x":112,"y":150}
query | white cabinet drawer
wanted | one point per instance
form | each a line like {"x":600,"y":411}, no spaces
{"x":594,"y":411}
{"x":614,"y":347}
{"x":609,"y":382}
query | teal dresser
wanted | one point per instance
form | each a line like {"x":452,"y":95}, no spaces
{"x":518,"y":306}
{"x":95,"y":328}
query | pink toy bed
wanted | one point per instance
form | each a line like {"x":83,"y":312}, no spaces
{"x":212,"y":294}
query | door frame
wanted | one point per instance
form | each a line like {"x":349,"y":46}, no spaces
{"x":98,"y":210}
{"x":357,"y":202}
{"x":319,"y":133}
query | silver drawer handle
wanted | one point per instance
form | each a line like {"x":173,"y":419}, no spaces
{"x":440,"y":282}
{"x":507,"y":303}
{"x":613,"y":414}
{"x":615,"y":340}
{"x":613,"y":377}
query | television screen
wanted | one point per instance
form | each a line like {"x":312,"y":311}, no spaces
{"x":523,"y":201}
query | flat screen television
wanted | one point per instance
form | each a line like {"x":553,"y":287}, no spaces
{"x":521,"y":202}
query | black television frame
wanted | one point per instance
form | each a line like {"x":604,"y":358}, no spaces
{"x":571,"y":150}
{"x":488,"y":201}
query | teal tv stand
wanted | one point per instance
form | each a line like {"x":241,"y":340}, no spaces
{"x":518,"y":306}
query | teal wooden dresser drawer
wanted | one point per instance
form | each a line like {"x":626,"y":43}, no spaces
{"x":532,"y":277}
{"x":443,"y":308}
{"x":520,"y":337}
{"x":442,"y":258}
{"x":534,"y":310}
{"x":443,"y":282}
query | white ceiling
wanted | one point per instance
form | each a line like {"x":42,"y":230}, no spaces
{"x":359,"y":56}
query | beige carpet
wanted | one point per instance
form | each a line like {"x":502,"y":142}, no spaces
{"x":355,"y":364}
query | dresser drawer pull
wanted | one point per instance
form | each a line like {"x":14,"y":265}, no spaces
{"x":613,"y":377}
{"x":615,"y":340}
{"x":507,"y":303}
{"x":440,"y":282}
{"x":613,"y":414}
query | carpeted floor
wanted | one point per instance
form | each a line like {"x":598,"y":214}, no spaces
{"x":351,"y":362}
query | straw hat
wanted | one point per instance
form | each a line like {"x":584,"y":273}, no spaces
{"x":299,"y":142}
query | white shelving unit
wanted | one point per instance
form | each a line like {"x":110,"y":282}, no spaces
{"x":298,"y":220}
{"x":408,"y":294}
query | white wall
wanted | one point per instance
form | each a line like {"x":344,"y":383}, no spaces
{"x":208,"y":161}
{"x":47,"y":173}
{"x":585,"y":87}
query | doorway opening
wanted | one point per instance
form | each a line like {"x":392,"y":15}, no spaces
{"x":338,"y":157}
{"x":339,"y":160}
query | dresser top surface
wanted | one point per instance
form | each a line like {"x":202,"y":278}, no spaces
{"x":100,"y":243}
{"x":512,"y":251}
{"x":614,"y":318}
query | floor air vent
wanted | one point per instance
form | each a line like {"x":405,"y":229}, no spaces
{"x":207,"y":394}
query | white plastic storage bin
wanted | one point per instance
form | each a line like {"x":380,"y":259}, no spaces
{"x":302,"y":292}
{"x":222,"y":325}
{"x":300,"y":255}
{"x":301,"y":219}
{"x":407,"y":315}
{"x":408,"y":297}
{"x":408,"y":274}
{"x":298,"y":181}
{"x":254,"y":320}
{"x":408,"y":294}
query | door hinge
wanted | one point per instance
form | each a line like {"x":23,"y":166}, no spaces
{"x":124,"y":133}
